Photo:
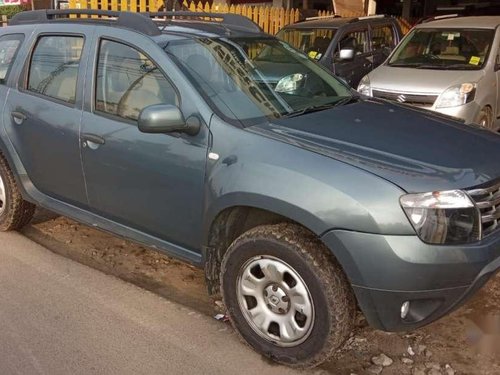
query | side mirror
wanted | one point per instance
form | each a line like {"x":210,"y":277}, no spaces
{"x":346,"y":54}
{"x":166,"y":118}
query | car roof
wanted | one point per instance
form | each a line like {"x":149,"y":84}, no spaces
{"x":324,"y":22}
{"x":476,"y":22}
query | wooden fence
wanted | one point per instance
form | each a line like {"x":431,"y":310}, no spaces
{"x":271,"y":19}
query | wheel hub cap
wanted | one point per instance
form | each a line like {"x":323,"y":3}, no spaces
{"x":3,"y":196}
{"x":275,"y":301}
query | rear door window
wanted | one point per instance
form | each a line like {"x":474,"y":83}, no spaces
{"x":53,"y":70}
{"x":9,"y":45}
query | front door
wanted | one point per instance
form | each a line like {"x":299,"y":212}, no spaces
{"x":153,"y":183}
{"x":42,"y":116}
{"x":353,"y":70}
{"x":497,"y":91}
{"x":383,"y":41}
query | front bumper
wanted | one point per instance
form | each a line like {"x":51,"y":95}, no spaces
{"x":386,"y":271}
{"x":468,"y":112}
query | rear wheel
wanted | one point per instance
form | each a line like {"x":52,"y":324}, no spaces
{"x":485,"y":118}
{"x":15,"y":212}
{"x":286,"y":295}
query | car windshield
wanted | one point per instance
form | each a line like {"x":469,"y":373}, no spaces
{"x":254,"y":80}
{"x":446,"y":49}
{"x":313,"y":42}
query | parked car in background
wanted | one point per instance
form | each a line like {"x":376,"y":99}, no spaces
{"x":349,"y":47}
{"x":449,"y":65}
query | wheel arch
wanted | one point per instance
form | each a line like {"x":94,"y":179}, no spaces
{"x":14,"y":162}
{"x":232,"y":221}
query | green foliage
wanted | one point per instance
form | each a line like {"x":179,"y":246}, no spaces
{"x":10,"y":10}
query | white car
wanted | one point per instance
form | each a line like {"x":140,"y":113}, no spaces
{"x":450,"y":65}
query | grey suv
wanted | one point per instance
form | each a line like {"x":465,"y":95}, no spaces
{"x":225,"y":147}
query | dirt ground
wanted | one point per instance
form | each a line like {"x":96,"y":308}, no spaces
{"x":466,"y":342}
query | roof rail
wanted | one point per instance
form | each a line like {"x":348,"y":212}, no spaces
{"x":322,"y":17}
{"x":141,"y":22}
{"x":442,"y":17}
{"x":136,"y":21}
{"x":228,"y":19}
{"x":372,"y":16}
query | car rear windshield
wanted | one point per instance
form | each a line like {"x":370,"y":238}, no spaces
{"x":446,"y":49}
{"x":254,"y":80}
{"x":313,"y":42}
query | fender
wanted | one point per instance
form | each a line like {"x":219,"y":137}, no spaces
{"x":315,"y":191}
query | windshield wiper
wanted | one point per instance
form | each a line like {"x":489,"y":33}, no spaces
{"x":347,"y":100}
{"x":404,"y":65}
{"x":322,"y":107}
{"x":431,"y":66}
{"x":463,"y":66}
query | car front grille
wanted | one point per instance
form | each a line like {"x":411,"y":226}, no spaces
{"x":413,"y":99}
{"x":488,"y":201}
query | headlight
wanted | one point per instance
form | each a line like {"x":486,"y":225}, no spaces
{"x":364,"y":86}
{"x":457,"y":95}
{"x":443,"y":217}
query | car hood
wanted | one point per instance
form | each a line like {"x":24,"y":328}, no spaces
{"x":415,"y":149}
{"x":412,"y":80}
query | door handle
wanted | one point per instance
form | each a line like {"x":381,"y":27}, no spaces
{"x":18,"y":117}
{"x":92,"y":141}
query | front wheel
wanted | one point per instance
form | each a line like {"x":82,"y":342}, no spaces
{"x":286,"y":295}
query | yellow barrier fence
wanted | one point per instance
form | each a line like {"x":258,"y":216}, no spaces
{"x":271,"y":19}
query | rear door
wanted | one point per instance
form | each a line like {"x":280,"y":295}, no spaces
{"x":9,"y":47}
{"x":353,"y":70}
{"x":42,"y":114}
{"x":383,"y":40}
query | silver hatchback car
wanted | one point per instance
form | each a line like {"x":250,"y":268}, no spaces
{"x":451,"y":66}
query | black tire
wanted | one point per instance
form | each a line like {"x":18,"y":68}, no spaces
{"x":15,"y":212}
{"x":331,"y":295}
{"x":485,"y":118}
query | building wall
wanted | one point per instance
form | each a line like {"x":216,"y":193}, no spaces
{"x":349,"y":7}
